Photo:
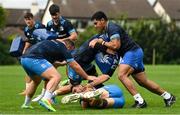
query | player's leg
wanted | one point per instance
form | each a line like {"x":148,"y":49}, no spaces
{"x":44,"y":88}
{"x":62,"y":90}
{"x":53,"y":77}
{"x":128,"y":65}
{"x":103,"y":103}
{"x":27,"y":65}
{"x":38,"y":97}
{"x":43,"y":68}
{"x":30,"y":91}
{"x":114,"y":96}
{"x":142,"y":80}
{"x":27,"y":81}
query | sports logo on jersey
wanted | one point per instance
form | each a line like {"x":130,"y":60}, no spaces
{"x":43,"y":65}
{"x":105,"y":59}
{"x":31,"y":38}
{"x":57,"y":33}
{"x":121,"y":60}
{"x":136,"y":65}
{"x":61,"y":28}
{"x":51,"y":29}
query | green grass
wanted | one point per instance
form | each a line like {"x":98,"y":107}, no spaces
{"x":168,"y":77}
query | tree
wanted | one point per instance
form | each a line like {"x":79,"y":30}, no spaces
{"x":2,"y":17}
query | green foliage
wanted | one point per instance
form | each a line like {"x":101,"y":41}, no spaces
{"x":87,"y":34}
{"x":2,"y":17}
{"x":159,"y":36}
{"x":5,"y":58}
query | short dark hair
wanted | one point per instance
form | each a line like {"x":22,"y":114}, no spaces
{"x":28,"y":15}
{"x":53,"y":9}
{"x":99,"y":15}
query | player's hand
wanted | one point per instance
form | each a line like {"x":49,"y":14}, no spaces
{"x":93,"y":42}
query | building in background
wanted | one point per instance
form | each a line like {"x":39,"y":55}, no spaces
{"x":80,"y":12}
{"x":15,"y":17}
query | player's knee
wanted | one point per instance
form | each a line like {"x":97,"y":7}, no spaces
{"x":142,"y":83}
{"x":56,"y":78}
{"x":122,"y":76}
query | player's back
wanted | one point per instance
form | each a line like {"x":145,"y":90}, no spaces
{"x":126,"y":42}
{"x":50,"y":50}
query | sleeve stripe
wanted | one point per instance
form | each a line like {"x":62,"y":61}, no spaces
{"x":115,"y":36}
{"x":71,"y":31}
{"x":70,"y":60}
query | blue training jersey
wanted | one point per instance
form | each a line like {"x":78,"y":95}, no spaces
{"x":114,"y":31}
{"x":63,"y":29}
{"x":49,"y":50}
{"x":29,"y":32}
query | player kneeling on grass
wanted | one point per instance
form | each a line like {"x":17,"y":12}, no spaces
{"x":105,"y":97}
{"x":37,"y":62}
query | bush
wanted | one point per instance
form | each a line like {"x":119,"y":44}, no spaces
{"x":87,"y":34}
{"x":5,"y":58}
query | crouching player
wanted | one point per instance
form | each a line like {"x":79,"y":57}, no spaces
{"x":105,"y":97}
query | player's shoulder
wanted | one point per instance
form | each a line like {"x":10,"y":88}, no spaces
{"x":50,"y":23}
{"x":26,"y":29}
{"x":112,"y":25}
{"x":38,"y":24}
{"x":64,"y":20}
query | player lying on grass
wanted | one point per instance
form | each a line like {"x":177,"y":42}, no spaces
{"x":37,"y":62}
{"x":105,"y":97}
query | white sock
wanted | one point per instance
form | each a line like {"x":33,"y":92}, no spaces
{"x":166,"y":95}
{"x":54,"y":94}
{"x":27,"y":100}
{"x":138,"y":98}
{"x":47,"y":95}
{"x":43,"y":91}
{"x":27,"y":85}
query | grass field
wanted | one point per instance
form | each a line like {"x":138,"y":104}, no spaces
{"x":12,"y":82}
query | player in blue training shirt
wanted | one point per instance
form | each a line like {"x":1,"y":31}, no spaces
{"x":108,"y":96}
{"x":63,"y":28}
{"x":28,"y":30}
{"x":37,"y":62}
{"x":59,"y":25}
{"x":30,"y":40}
{"x":132,"y":60}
